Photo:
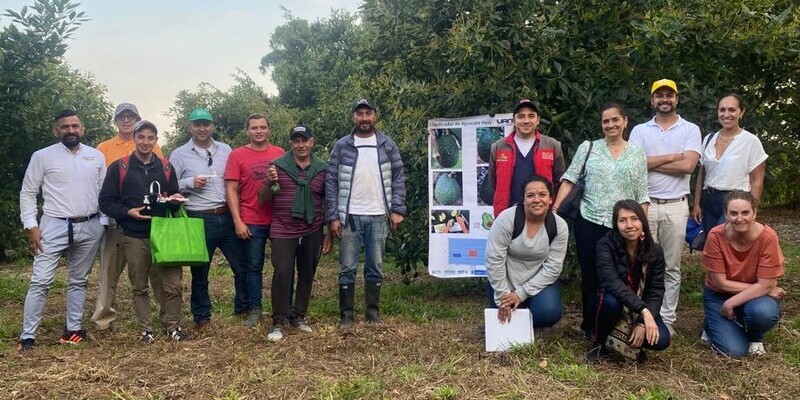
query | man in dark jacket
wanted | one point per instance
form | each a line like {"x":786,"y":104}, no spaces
{"x":130,"y":194}
{"x":521,"y":155}
{"x":365,"y":194}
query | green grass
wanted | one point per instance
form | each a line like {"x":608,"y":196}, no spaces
{"x":445,"y":393}
{"x":652,"y":394}
{"x":358,"y":387}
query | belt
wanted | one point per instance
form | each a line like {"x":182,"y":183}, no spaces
{"x":75,"y":220}
{"x":78,"y":220}
{"x":214,"y":211}
{"x":667,"y":201}
{"x":711,"y":190}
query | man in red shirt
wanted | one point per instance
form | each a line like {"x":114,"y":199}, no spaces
{"x":244,"y":174}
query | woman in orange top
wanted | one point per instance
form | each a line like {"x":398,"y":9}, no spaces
{"x":741,"y":297}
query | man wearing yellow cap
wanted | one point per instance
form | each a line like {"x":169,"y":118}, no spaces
{"x":673,"y":147}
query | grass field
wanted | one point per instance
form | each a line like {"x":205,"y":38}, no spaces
{"x":429,"y":347}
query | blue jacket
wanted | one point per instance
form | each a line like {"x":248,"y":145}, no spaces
{"x":340,"y":176}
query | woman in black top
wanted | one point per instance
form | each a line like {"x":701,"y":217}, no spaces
{"x":630,"y":270}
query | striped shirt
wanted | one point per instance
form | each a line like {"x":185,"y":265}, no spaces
{"x":284,"y":226}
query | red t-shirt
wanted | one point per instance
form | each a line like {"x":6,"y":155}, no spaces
{"x":763,"y":259}
{"x":249,"y":167}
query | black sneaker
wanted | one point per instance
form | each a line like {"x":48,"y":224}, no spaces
{"x":73,"y":337}
{"x":596,"y":353}
{"x":178,"y":335}
{"x":25,"y":345}
{"x":147,"y":337}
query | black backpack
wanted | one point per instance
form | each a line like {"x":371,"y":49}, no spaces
{"x":519,"y":224}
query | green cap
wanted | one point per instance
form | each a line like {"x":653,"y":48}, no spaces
{"x":200,"y":114}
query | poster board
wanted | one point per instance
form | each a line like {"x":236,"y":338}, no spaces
{"x":459,"y":198}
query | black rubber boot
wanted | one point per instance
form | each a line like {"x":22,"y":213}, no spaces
{"x":372,"y":299}
{"x":347,"y":294}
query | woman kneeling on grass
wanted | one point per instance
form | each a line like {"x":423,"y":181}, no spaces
{"x":630,"y":270}
{"x":741,"y":297}
{"x":524,"y":270}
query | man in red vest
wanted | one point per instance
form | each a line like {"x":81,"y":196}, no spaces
{"x":521,"y":155}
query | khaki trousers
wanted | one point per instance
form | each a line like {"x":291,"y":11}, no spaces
{"x":112,"y":263}
{"x":140,"y":267}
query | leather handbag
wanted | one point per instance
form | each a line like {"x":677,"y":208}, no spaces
{"x":570,"y":206}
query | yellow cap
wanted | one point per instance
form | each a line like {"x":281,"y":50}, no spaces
{"x":663,"y":82}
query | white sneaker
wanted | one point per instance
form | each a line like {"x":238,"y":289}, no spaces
{"x":704,"y":338}
{"x":756,"y":349}
{"x":275,"y":334}
{"x":301,"y":324}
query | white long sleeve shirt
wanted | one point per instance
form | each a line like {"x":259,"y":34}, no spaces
{"x":70,"y":183}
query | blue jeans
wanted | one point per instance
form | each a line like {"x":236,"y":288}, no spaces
{"x":255,"y":251}
{"x":220,"y":233}
{"x":545,"y":306}
{"x":752,"y":320}
{"x":369,"y":231}
{"x":713,"y":206}
{"x":609,"y":311}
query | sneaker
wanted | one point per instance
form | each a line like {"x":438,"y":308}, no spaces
{"x":201,"y":325}
{"x":73,"y":337}
{"x":704,"y":338}
{"x":25,"y":345}
{"x":596,"y":353}
{"x":178,"y":335}
{"x":253,"y":318}
{"x":147,"y":337}
{"x":301,"y":324}
{"x":756,"y":349}
{"x":275,"y":333}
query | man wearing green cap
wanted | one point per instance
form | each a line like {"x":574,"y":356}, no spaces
{"x":295,"y":187}
{"x":672,"y":145}
{"x":200,"y":166}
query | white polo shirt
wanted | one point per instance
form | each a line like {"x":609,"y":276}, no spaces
{"x":680,"y":137}
{"x":732,"y":170}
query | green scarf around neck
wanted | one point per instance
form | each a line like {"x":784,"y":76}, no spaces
{"x":303,"y":206}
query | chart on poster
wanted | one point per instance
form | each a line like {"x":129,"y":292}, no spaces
{"x":459,"y":192}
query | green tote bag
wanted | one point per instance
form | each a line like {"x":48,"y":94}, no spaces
{"x":178,"y":241}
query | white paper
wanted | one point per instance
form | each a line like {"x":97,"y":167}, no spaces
{"x":500,"y":337}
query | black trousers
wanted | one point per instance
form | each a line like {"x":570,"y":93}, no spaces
{"x":304,"y":253}
{"x":587,"y":234}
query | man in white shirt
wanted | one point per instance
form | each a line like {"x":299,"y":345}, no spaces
{"x":69,"y":175}
{"x":364,"y":195}
{"x":673,"y":147}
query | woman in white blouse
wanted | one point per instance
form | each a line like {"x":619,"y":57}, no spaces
{"x":732,"y":159}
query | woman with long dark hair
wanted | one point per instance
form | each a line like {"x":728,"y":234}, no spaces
{"x":630,"y":269}
{"x":614,"y":170}
{"x":732,"y":159}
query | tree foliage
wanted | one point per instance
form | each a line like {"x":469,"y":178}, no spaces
{"x":230,"y":109}
{"x":35,"y":85}
{"x":420,"y":59}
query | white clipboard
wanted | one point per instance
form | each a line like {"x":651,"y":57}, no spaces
{"x":500,"y":337}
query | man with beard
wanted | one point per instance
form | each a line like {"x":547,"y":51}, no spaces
{"x":112,"y":259}
{"x":673,"y":147}
{"x":199,"y":166}
{"x":522,"y":155}
{"x":365,"y":194}
{"x":69,"y":175}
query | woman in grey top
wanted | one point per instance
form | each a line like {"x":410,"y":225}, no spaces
{"x":524,"y":270}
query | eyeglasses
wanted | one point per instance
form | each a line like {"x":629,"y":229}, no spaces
{"x":210,"y":160}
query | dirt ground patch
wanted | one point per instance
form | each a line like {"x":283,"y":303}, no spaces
{"x":429,"y":346}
